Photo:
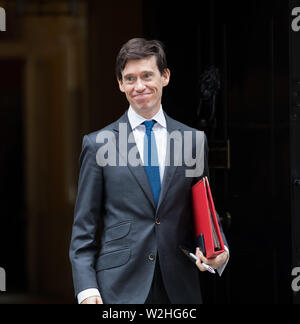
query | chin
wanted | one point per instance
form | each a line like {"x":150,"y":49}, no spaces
{"x":144,"y":107}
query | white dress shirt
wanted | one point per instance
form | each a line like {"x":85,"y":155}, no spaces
{"x":139,"y":130}
{"x":160,"y":132}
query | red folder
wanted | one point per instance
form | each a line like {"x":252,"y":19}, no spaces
{"x":205,"y":219}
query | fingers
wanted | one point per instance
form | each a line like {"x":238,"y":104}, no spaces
{"x":92,"y":300}
{"x":214,"y":262}
{"x":99,"y":300}
{"x":218,"y":260}
{"x":201,"y":258}
{"x":200,"y":255}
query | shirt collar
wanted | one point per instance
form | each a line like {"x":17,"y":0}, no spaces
{"x":136,"y":119}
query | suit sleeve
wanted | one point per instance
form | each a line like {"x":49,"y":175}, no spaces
{"x":83,"y":247}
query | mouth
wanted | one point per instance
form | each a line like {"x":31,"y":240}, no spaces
{"x":141,"y":95}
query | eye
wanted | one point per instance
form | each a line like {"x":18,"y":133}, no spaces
{"x":129,"y":79}
{"x":147,"y":76}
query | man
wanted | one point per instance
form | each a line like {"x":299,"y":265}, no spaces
{"x":138,"y":193}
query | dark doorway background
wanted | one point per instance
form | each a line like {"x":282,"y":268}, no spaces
{"x":248,"y":43}
{"x":12,"y":220}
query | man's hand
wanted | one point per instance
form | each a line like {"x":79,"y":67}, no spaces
{"x":92,"y":300}
{"x":214,"y":262}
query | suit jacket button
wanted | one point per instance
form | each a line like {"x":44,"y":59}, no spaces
{"x":157,"y":221}
{"x":151,"y":257}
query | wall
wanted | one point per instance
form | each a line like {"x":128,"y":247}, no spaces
{"x":55,"y":114}
{"x":69,"y":89}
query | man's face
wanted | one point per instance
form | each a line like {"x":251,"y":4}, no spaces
{"x":142,"y":84}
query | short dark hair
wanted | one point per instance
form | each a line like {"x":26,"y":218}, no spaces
{"x":139,"y":48}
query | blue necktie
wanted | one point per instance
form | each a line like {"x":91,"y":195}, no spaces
{"x":151,"y":160}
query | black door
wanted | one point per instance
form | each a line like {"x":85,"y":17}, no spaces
{"x":248,"y":43}
{"x":295,"y":140}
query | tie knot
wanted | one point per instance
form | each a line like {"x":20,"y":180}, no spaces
{"x":149,"y":124}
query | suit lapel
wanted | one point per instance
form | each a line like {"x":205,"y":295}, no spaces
{"x":172,"y":164}
{"x":137,"y":171}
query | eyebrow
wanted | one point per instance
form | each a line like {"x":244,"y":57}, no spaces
{"x":132,"y":74}
{"x":128,"y":75}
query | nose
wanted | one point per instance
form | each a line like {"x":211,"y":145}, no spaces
{"x":139,"y":85}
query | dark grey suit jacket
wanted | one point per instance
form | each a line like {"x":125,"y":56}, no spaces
{"x":115,"y":203}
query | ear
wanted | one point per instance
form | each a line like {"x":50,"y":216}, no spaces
{"x":166,"y":77}
{"x":121,"y":86}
